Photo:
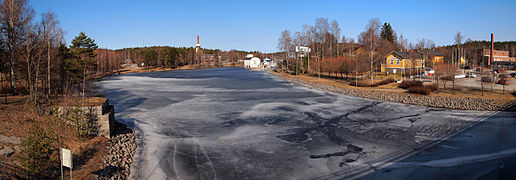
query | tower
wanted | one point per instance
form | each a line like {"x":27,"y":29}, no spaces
{"x":491,"y":58}
{"x":197,"y":46}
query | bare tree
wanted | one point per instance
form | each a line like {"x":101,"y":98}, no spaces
{"x":370,"y":40}
{"x":307,"y":41}
{"x":403,"y":43}
{"x":52,"y":35}
{"x":335,"y":31}
{"x":459,"y":38}
{"x":297,"y":41}
{"x":14,"y":16}
{"x":285,"y":43}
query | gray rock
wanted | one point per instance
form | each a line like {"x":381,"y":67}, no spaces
{"x":10,"y":140}
{"x":7,"y":152}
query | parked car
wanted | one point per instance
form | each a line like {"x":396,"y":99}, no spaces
{"x":503,"y":82}
{"x":503,"y":76}
{"x":487,"y":79}
{"x":513,"y":74}
{"x":458,"y":76}
{"x":471,"y":75}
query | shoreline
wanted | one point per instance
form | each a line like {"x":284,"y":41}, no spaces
{"x":464,"y":103}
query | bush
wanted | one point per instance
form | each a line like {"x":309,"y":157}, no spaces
{"x":81,"y":122}
{"x":408,"y":84}
{"x":387,"y":81}
{"x":37,"y":151}
{"x":424,"y":90}
{"x":432,"y":87}
{"x":419,"y":90}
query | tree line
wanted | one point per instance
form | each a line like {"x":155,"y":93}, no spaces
{"x":36,"y":60}
{"x":329,"y":48}
{"x":172,"y":57}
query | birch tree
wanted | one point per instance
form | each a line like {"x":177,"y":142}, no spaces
{"x":370,"y":40}
{"x":285,"y":43}
{"x":52,"y":36}
{"x":14,"y":17}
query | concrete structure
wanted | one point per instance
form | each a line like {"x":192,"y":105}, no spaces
{"x":102,"y":117}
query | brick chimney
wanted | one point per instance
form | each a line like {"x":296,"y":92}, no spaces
{"x":491,"y":58}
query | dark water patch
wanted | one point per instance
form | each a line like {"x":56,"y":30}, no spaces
{"x":284,"y":108}
{"x":328,"y":155}
{"x":350,"y":149}
{"x":436,"y":109}
{"x":295,"y":138}
{"x":354,"y":149}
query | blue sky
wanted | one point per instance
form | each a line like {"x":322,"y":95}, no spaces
{"x":257,"y":25}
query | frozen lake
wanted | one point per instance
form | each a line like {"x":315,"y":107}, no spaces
{"x":233,"y":123}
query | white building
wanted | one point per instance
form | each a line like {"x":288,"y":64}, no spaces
{"x":253,"y":62}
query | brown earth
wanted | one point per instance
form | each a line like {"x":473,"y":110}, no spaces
{"x":18,"y":115}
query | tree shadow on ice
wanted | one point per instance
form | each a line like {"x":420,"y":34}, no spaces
{"x":124,"y":101}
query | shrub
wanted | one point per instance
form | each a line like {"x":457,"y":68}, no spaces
{"x":81,"y":122}
{"x":386,"y":81}
{"x":419,"y":90}
{"x":37,"y":150}
{"x":408,"y":84}
{"x":424,"y":90}
{"x":432,"y":87}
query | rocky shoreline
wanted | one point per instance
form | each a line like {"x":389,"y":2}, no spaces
{"x":120,"y":155}
{"x":464,"y":103}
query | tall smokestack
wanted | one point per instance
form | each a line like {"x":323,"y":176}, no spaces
{"x":491,"y":58}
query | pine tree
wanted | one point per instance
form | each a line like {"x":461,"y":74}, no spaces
{"x":387,"y":33}
{"x":84,"y":48}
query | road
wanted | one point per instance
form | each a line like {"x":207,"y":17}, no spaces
{"x":233,"y":123}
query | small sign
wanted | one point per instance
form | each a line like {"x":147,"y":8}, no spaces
{"x":66,"y":158}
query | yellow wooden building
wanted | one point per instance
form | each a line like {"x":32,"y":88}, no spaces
{"x":397,"y":61}
{"x":434,"y":57}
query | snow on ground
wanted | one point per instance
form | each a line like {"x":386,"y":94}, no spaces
{"x":238,"y":124}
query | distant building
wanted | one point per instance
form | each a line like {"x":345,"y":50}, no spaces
{"x":501,"y":59}
{"x":434,"y":57}
{"x":252,"y":62}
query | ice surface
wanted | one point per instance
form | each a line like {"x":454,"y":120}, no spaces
{"x":237,"y":124}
